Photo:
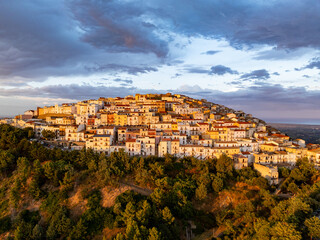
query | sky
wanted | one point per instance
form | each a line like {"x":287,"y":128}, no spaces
{"x":259,"y":56}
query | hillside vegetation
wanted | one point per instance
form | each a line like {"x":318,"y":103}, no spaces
{"x":55,"y":194}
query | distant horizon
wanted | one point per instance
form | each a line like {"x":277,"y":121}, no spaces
{"x":263,"y":56}
{"x":302,"y":122}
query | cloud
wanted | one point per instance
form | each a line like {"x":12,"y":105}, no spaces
{"x":123,"y":81}
{"x":197,"y":70}
{"x":38,"y":46}
{"x":118,"y":26}
{"x":41,"y":39}
{"x":71,"y":91}
{"x":211,"y":52}
{"x":275,"y":23}
{"x":214,"y":70}
{"x":260,"y":74}
{"x":222,"y":70}
{"x":283,"y":53}
{"x":133,"y":70}
{"x":267,"y":101}
{"x":314,"y":63}
{"x":117,"y":80}
{"x":263,"y":100}
{"x":177,"y":75}
{"x":276,"y":74}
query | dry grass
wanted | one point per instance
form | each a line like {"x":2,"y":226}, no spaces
{"x":111,"y":233}
{"x":109,"y":194}
{"x":76,"y":203}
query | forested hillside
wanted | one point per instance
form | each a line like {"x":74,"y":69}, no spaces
{"x":56,"y":194}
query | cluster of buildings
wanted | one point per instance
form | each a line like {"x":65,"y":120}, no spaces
{"x":160,"y":124}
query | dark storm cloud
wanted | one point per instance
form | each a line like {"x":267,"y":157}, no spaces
{"x":39,"y":39}
{"x":35,"y":41}
{"x":260,"y":74}
{"x":279,"y":23}
{"x":117,"y":26}
{"x":42,"y":39}
{"x":222,"y":70}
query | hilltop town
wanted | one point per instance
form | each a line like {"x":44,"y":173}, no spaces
{"x":160,"y":124}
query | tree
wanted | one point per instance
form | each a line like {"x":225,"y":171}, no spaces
{"x":293,"y":188}
{"x":14,"y":196}
{"x":261,"y":182}
{"x":47,"y":134}
{"x":144,"y":214}
{"x":30,"y":133}
{"x":201,"y":192}
{"x":224,"y":165}
{"x":167,"y":216}
{"x":285,"y":231}
{"x":159,"y":197}
{"x":34,"y":189}
{"x":129,"y":212}
{"x":5,"y":224}
{"x":6,"y":161}
{"x":132,"y":230}
{"x":154,"y":234}
{"x":37,"y":232}
{"x":217,"y":184}
{"x":23,"y":168}
{"x":79,"y":231}
{"x":284,"y":172}
{"x":262,"y":229}
{"x":313,"y":225}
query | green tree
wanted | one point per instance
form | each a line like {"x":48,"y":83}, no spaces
{"x":47,"y":134}
{"x":14,"y":195}
{"x":34,"y":189}
{"x":285,"y":231}
{"x":284,"y":172}
{"x":5,"y":224}
{"x":144,"y":214}
{"x":6,"y":161}
{"x":217,"y":184}
{"x":313,"y":225}
{"x":293,"y":188}
{"x":129,"y":212}
{"x":23,"y":168}
{"x":261,"y":182}
{"x":79,"y":231}
{"x":154,"y":234}
{"x":224,"y":164}
{"x":201,"y":192}
{"x":262,"y":229}
{"x":37,"y":232}
{"x":167,"y":216}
